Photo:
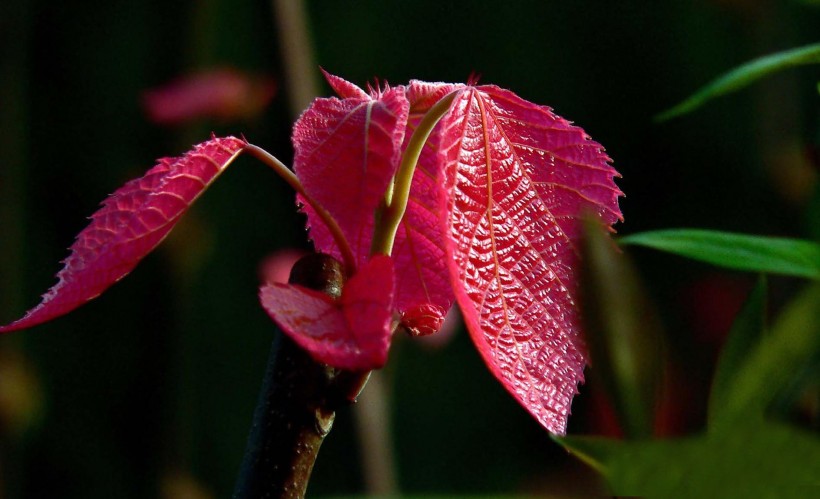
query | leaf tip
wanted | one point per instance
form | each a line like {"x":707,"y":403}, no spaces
{"x":344,"y":88}
{"x":473,"y":79}
{"x":130,"y":223}
{"x":667,"y":115}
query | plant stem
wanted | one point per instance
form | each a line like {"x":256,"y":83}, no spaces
{"x":297,"y":403}
{"x":296,"y":47}
{"x":372,"y":417}
{"x":288,"y":176}
{"x":392,"y":214}
{"x":288,"y":426}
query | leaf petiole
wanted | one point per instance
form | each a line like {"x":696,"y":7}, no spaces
{"x":288,"y":176}
{"x":395,"y":204}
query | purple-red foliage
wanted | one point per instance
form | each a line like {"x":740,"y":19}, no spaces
{"x":131,"y":222}
{"x":492,"y":222}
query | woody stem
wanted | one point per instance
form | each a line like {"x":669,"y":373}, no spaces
{"x":297,"y":403}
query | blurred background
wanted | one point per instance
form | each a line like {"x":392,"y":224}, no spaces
{"x":149,"y":390}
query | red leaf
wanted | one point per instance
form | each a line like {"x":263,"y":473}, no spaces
{"x":224,"y":94}
{"x":131,"y":222}
{"x":517,"y":177}
{"x":360,"y":177}
{"x":347,"y":151}
{"x":344,"y":88}
{"x":423,"y":95}
{"x":424,"y":293}
{"x":422,"y":320}
{"x":352,"y":333}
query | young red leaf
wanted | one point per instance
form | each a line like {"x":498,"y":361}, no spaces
{"x":346,"y":152}
{"x":344,"y":88}
{"x":350,"y":333}
{"x":346,"y":139}
{"x":131,"y":222}
{"x":422,"y":320}
{"x":424,"y":294}
{"x":516,"y":179}
{"x":423,"y":95}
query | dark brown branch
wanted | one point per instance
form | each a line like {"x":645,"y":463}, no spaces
{"x":297,"y":403}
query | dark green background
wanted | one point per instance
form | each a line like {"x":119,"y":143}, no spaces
{"x":162,"y":372}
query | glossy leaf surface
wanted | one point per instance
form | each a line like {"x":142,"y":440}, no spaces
{"x":736,"y":251}
{"x":347,"y":151}
{"x":350,"y":333}
{"x":517,"y":178}
{"x":131,"y":222}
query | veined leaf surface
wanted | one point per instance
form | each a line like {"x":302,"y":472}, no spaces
{"x":347,"y":150}
{"x":347,"y":153}
{"x":131,"y":222}
{"x":350,"y":333}
{"x":423,"y":286}
{"x":516,"y":179}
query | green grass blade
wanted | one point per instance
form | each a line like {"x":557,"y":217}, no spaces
{"x":773,"y":364}
{"x":595,"y":452}
{"x":745,"y":334}
{"x":622,"y":330}
{"x":736,"y":251}
{"x":745,"y":75}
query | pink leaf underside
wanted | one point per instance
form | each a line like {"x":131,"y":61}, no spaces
{"x":131,"y":222}
{"x":347,"y":151}
{"x":352,"y":333}
{"x":517,"y":177}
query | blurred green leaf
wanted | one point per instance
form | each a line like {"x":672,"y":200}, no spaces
{"x":596,"y":452}
{"x":812,"y":212}
{"x":622,"y":332}
{"x":730,"y":460}
{"x":777,"y":360}
{"x":748,"y":460}
{"x":745,"y":75}
{"x":737,"y":251}
{"x":745,"y":334}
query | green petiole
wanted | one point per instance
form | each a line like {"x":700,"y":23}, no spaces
{"x":394,"y":206}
